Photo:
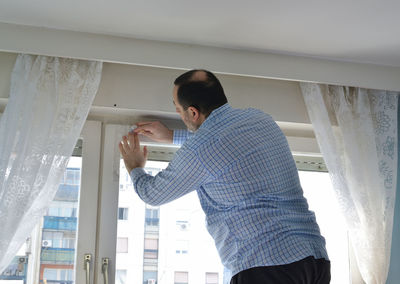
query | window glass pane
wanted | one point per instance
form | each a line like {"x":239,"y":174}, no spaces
{"x":164,"y":238}
{"x":120,"y":277}
{"x":149,"y":277}
{"x":319,"y":192}
{"x":122,"y":245}
{"x":122,"y":213}
{"x":151,"y":244}
{"x":211,"y":278}
{"x":50,"y":274}
{"x":181,"y":277}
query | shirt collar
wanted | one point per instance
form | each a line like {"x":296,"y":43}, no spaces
{"x":215,"y":115}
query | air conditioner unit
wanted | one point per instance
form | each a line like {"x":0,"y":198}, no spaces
{"x":47,"y":243}
{"x":151,"y":281}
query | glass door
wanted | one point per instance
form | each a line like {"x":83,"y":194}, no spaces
{"x":148,"y":244}
{"x":50,"y":254}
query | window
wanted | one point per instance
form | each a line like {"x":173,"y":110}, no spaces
{"x":319,"y":192}
{"x":152,"y":217}
{"x":149,"y":277}
{"x":181,"y":277}
{"x":182,"y":247}
{"x":50,"y":274}
{"x":211,"y":278}
{"x":58,"y":275}
{"x":72,"y":176}
{"x":122,"y":213}
{"x":122,"y":245}
{"x":120,"y":276}
{"x":150,"y":248}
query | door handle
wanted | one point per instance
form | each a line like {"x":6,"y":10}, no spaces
{"x":104,"y":269}
{"x":87,"y":258}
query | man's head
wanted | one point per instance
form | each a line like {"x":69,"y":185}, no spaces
{"x":196,"y":94}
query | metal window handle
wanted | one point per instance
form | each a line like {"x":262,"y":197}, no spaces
{"x":104,"y":269}
{"x":87,"y":258}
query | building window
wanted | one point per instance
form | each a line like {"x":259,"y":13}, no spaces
{"x":182,"y":247}
{"x":211,"y":278}
{"x":149,"y":277}
{"x":152,"y":217}
{"x":122,"y":245}
{"x":72,"y":176}
{"x":58,"y":275}
{"x":120,"y":276}
{"x":150,"y":249}
{"x":122,"y":213}
{"x":181,"y":277}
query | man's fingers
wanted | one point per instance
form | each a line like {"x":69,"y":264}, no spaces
{"x":143,"y":129}
{"x":125,"y":144}
{"x":136,"y":141}
{"x":121,"y":149}
{"x":145,"y":153}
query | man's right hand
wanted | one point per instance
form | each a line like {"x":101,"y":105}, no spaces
{"x":155,"y":130}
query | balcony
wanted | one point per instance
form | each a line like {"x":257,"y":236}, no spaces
{"x":58,"y":255}
{"x":57,"y":282}
{"x":16,"y":270}
{"x":60,"y":223}
{"x":67,"y":192}
{"x":154,"y":222}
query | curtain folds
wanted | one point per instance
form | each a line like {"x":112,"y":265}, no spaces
{"x":48,"y":105}
{"x":356,"y":130}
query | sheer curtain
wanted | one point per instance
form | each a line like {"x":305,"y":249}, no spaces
{"x":48,"y":105}
{"x":356,"y":130}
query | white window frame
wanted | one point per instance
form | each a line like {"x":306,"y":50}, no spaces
{"x":88,"y":199}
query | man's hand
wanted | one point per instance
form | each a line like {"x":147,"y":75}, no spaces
{"x":131,"y":153}
{"x":155,"y":130}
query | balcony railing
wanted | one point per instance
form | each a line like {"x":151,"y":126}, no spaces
{"x":152,"y":221}
{"x":57,"y":282}
{"x":58,"y":255}
{"x":67,"y":192}
{"x":60,"y":223}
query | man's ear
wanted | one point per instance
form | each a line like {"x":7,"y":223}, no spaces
{"x":194,"y":113}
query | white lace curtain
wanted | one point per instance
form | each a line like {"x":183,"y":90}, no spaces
{"x":356,"y":130}
{"x":48,"y":105}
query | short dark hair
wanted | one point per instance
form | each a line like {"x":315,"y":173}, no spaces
{"x":204,"y":94}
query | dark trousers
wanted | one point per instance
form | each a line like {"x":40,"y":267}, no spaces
{"x":306,"y":271}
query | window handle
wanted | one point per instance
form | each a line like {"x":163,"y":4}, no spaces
{"x":104,"y":269}
{"x":87,"y":258}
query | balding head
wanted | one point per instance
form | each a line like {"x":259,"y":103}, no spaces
{"x":200,"y":89}
{"x":199,"y":75}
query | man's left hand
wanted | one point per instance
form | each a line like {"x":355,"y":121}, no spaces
{"x":130,"y":150}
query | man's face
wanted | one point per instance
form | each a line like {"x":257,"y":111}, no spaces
{"x":185,"y":116}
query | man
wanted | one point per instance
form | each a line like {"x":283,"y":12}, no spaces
{"x":240,"y":164}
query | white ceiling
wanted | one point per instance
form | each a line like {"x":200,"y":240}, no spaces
{"x":358,"y":30}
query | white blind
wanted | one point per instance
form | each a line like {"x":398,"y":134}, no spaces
{"x":151,"y":244}
{"x":211,"y":278}
{"x":122,"y":245}
{"x":181,"y":277}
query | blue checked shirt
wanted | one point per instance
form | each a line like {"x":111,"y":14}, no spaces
{"x":240,"y":164}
